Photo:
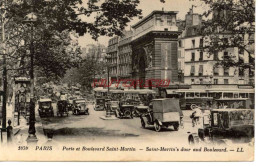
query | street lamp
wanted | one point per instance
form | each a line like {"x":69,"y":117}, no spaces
{"x":108,"y":109}
{"x":31,"y":18}
{"x":108,"y":65}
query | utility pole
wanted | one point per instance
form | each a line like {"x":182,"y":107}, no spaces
{"x":4,"y":67}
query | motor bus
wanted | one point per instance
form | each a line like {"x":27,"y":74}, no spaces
{"x":205,"y":97}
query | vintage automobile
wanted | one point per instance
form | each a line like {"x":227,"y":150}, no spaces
{"x":70,"y":103}
{"x":100,"y":104}
{"x":62,"y":108}
{"x":125,"y":111}
{"x":80,"y":107}
{"x":225,"y":125}
{"x":45,"y":108}
{"x":162,"y":113}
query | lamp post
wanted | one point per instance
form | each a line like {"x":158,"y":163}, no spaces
{"x":31,"y":18}
{"x":108,"y":111}
{"x":108,"y":70}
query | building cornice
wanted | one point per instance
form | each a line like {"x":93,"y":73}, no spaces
{"x":145,"y":19}
{"x":172,"y":35}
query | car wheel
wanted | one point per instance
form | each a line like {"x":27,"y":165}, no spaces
{"x":157,"y":126}
{"x":176,"y":127}
{"x":221,"y":143}
{"x":193,"y":140}
{"x":127,"y":113}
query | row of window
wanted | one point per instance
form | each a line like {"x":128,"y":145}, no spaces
{"x":125,"y":59}
{"x":160,"y":21}
{"x":241,"y":71}
{"x":113,"y":41}
{"x":124,"y":70}
{"x":124,"y":49}
{"x":113,"y":70}
{"x":215,"y":81}
{"x":193,"y":43}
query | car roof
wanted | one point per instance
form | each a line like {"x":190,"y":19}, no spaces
{"x":45,"y":100}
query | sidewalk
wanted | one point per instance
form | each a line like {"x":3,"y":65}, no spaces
{"x":21,"y":132}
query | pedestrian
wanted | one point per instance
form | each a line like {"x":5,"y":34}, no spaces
{"x":9,"y":132}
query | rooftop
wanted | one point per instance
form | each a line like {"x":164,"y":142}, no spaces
{"x":153,"y":13}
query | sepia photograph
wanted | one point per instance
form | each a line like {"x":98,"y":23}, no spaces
{"x":127,"y":80}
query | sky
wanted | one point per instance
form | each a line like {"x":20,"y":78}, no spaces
{"x":182,"y":6}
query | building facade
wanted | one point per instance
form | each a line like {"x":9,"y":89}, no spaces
{"x":125,"y":55}
{"x":112,"y":57}
{"x":199,"y":67}
{"x":94,"y":51}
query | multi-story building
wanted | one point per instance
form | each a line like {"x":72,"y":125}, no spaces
{"x":112,"y":57}
{"x":94,"y":51}
{"x":181,"y":26}
{"x":125,"y":55}
{"x":200,"y":67}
